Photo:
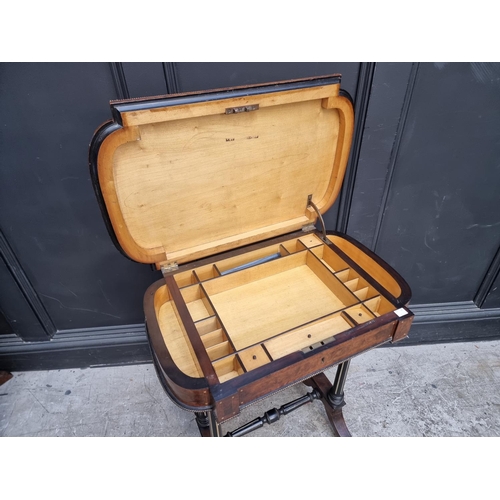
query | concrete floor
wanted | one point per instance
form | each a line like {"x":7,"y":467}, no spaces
{"x":439,"y":390}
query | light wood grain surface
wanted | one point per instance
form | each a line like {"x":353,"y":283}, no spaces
{"x":259,"y":310}
{"x":185,"y":182}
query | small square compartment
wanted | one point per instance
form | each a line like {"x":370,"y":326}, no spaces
{"x":197,"y":303}
{"x":310,"y":241}
{"x":329,"y":258}
{"x":294,"y":246}
{"x":208,"y":325}
{"x":213,"y":335}
{"x":227,"y":368}
{"x":364,"y":292}
{"x":187,"y":278}
{"x":219,"y":350}
{"x":346,"y":275}
{"x":379,"y":305}
{"x":213,"y":338}
{"x":254,"y":357}
{"x":360,"y":314}
{"x":206,"y":272}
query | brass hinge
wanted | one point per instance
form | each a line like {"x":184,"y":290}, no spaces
{"x":169,"y":268}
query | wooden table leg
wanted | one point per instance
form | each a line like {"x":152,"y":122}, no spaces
{"x":207,"y":424}
{"x":203,"y":423}
{"x":332,"y":397}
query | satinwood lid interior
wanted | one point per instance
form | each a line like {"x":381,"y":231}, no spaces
{"x":186,"y":176}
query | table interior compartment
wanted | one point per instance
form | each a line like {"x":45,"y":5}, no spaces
{"x":254,"y":357}
{"x":262,"y":302}
{"x":329,"y":258}
{"x":205,"y":273}
{"x":228,"y":368}
{"x":174,"y":334}
{"x":305,"y":336}
{"x":249,"y":317}
{"x":379,"y":305}
{"x":360,"y":314}
{"x":198,"y":305}
{"x":358,"y":285}
{"x":302,"y":243}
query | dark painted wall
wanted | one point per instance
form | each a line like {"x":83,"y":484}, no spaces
{"x":422,"y":189}
{"x":441,"y":226}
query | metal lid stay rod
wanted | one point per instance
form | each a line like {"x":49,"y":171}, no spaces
{"x":310,"y":203}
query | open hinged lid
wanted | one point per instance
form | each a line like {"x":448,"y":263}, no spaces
{"x":182,"y":177}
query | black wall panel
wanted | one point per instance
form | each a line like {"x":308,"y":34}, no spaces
{"x":48,"y":210}
{"x":144,"y":79}
{"x":380,"y":131}
{"x":16,"y":316}
{"x":441,"y":227}
{"x":422,"y":188}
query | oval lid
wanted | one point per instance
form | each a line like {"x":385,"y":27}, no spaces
{"x":185,"y":176}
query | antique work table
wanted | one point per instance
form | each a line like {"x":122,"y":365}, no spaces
{"x":221,"y":190}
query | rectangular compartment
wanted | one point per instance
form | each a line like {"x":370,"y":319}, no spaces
{"x":307,"y":335}
{"x":232,"y":264}
{"x":174,"y":334}
{"x":260,"y":302}
{"x":213,"y":338}
{"x":227,"y":368}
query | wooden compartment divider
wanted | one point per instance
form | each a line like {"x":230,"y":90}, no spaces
{"x":186,"y":322}
{"x":330,"y":280}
